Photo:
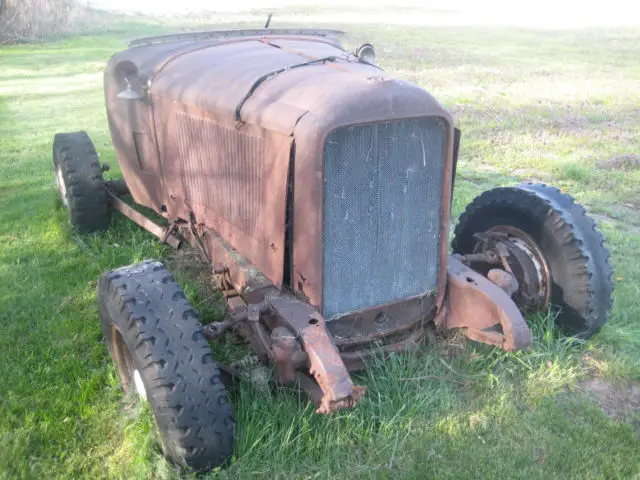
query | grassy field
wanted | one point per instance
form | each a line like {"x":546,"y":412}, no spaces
{"x":560,"y":107}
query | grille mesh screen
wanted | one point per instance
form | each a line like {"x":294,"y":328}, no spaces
{"x":382,"y":194}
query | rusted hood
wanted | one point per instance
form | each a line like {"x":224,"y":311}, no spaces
{"x":218,"y":76}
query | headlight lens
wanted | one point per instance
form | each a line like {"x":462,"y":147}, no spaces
{"x":366,"y":53}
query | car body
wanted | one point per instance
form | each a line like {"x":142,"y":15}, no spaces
{"x":264,"y":165}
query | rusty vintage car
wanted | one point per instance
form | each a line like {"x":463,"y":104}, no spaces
{"x":319,"y":188}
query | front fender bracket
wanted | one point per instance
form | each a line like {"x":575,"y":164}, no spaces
{"x":482,"y":309}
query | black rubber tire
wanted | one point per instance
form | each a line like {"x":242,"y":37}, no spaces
{"x":142,"y":307}
{"x":84,"y":193}
{"x":572,"y":245}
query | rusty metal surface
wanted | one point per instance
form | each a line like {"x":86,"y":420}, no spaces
{"x":356,"y":333}
{"x":234,"y":67}
{"x":325,"y":364}
{"x":232,"y":180}
{"x":485,"y":312}
{"x":214,"y":330}
{"x":224,"y":171}
{"x":250,"y":283}
{"x":379,"y":322}
{"x":163,"y":233}
{"x":505,"y":280}
{"x":133,"y":134}
{"x":356,"y":360}
{"x":190,"y":93}
{"x":284,"y":345}
{"x":521,"y":256}
{"x":259,"y":336}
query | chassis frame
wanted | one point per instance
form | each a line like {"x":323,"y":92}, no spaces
{"x":303,"y":347}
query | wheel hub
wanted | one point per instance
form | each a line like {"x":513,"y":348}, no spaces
{"x":521,"y":256}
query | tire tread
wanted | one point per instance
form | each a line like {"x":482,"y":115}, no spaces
{"x":87,"y":199}
{"x":170,"y":356}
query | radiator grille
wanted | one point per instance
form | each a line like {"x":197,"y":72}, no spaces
{"x":382,"y":194}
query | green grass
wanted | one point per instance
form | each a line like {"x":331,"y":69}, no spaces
{"x":536,"y":105}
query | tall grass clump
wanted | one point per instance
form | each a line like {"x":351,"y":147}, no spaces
{"x":30,"y":20}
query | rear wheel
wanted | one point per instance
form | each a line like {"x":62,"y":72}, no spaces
{"x":551,"y":246}
{"x":80,"y":182}
{"x":161,"y":355}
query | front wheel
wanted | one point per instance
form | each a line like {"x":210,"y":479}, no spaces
{"x":550,"y":245}
{"x":162,"y":356}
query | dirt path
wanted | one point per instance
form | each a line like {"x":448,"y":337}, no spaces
{"x":620,"y":402}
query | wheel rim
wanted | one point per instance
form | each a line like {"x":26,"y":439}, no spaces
{"x":62,"y":187}
{"x":130,"y":377}
{"x":137,"y":382}
{"x":527,"y":262}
